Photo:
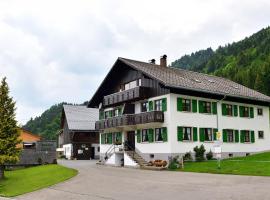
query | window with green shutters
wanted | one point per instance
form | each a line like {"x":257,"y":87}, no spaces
{"x":247,"y":136}
{"x":187,"y":105}
{"x":207,"y":134}
{"x":251,"y":112}
{"x":252,"y":135}
{"x":109,"y":138}
{"x":202,"y":135}
{"x":229,"y":135}
{"x":245,"y":111}
{"x":206,"y":107}
{"x":224,"y":135}
{"x":150,"y":135}
{"x":187,"y":133}
{"x":101,"y":115}
{"x":138,"y":136}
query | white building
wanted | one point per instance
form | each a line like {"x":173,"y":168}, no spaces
{"x":159,"y":111}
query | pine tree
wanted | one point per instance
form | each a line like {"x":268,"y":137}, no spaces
{"x":9,"y":132}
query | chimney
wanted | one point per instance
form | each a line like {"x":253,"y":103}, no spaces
{"x":163,"y":61}
{"x":152,"y":61}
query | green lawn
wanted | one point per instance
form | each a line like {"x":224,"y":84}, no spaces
{"x":29,"y":179}
{"x":255,"y":165}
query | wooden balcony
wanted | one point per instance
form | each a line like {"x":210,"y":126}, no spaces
{"x":126,"y":95}
{"x":130,"y":119}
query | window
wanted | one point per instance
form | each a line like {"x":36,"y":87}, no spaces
{"x":132,"y":84}
{"x":229,"y":109}
{"x":246,"y":112}
{"x":204,"y":107}
{"x":187,"y":133}
{"x":230,"y":136}
{"x":208,"y":134}
{"x":247,"y":136}
{"x":144,"y":107}
{"x":145,"y":135}
{"x":139,"y":82}
{"x":158,"y":134}
{"x":186,"y":105}
{"x":98,"y":149}
{"x":107,"y":114}
{"x":260,"y":111}
{"x":260,"y":134}
{"x":106,"y":139}
{"x":114,"y":137}
{"x":115,"y":113}
{"x":158,"y":105}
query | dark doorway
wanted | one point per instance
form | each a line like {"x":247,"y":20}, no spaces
{"x":92,"y":152}
{"x":131,"y":140}
{"x":82,"y":151}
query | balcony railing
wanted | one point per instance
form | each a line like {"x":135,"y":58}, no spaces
{"x":130,"y":119}
{"x":136,"y":93}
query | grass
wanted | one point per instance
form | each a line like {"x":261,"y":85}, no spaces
{"x":30,"y":179}
{"x":254,"y":165}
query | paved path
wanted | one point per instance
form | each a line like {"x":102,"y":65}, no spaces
{"x":100,"y":182}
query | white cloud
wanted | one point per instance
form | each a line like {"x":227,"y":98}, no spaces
{"x":53,"y":51}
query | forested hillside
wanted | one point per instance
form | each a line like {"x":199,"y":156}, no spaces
{"x":48,"y":123}
{"x":246,"y":62}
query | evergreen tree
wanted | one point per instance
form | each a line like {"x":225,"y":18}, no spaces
{"x":9,"y":132}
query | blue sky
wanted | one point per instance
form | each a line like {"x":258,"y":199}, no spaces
{"x":54,"y":51}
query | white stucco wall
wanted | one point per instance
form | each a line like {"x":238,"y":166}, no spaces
{"x":128,"y":162}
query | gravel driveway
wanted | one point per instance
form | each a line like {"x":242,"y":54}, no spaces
{"x":100,"y":182}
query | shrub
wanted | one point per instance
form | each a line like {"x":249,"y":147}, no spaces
{"x":209,"y":155}
{"x":174,"y":163}
{"x":199,"y":153}
{"x":39,"y":160}
{"x":187,"y":156}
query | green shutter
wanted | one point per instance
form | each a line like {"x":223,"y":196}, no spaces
{"x":194,"y":105}
{"x":109,"y":138}
{"x":236,"y":135}
{"x":101,"y":115}
{"x":180,"y":133}
{"x":241,"y":110}
{"x":150,"y":135}
{"x":102,"y":138}
{"x":164,"y":104}
{"x":119,"y":137}
{"x":179,"y":104}
{"x":235,"y":110}
{"x":110,"y":113}
{"x":200,"y":106}
{"x":224,"y":135}
{"x":138,"y":136}
{"x":251,"y":112}
{"x":195,"y":134}
{"x":150,"y":105}
{"x":242,"y":136}
{"x":252,"y":136}
{"x":214,"y":108}
{"x":224,"y":110}
{"x":164,"y":134}
{"x":202,"y":134}
{"x":215,"y":130}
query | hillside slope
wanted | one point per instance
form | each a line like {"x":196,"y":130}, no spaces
{"x":246,"y":62}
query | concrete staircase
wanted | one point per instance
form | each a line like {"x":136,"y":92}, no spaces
{"x":137,"y":158}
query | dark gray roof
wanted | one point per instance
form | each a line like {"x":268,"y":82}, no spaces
{"x":180,"y":78}
{"x":81,"y":117}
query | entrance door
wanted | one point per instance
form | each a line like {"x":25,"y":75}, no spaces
{"x":131,"y":140}
{"x":92,"y":152}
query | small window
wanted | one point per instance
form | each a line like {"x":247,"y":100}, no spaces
{"x":208,"y":134}
{"x":151,"y":155}
{"x":229,"y":109}
{"x":186,"y":105}
{"x":246,"y":112}
{"x":206,"y":107}
{"x":260,"y":111}
{"x":158,"y":105}
{"x":144,"y":107}
{"x":230,"y":155}
{"x":187,"y":133}
{"x":158,"y":134}
{"x":247,"y":136}
{"x":260,"y":134}
{"x":98,"y":149}
{"x":145,"y":135}
{"x":139,"y":82}
{"x":230,"y":136}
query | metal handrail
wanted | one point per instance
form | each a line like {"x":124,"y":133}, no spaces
{"x":133,"y":150}
{"x":112,"y":147}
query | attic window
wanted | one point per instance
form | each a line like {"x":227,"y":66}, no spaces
{"x":235,"y":87}
{"x":211,"y":81}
